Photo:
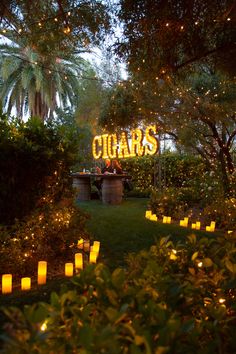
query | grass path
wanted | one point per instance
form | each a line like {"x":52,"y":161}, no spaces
{"x":122,"y":229}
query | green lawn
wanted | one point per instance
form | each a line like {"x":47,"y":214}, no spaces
{"x":123,"y":228}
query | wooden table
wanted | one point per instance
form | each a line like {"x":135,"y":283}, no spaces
{"x":112,"y":186}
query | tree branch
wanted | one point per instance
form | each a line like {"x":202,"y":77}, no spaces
{"x":226,"y":47}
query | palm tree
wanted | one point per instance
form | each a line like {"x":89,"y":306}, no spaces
{"x":35,"y":84}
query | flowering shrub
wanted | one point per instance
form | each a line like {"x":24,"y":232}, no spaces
{"x":175,"y":298}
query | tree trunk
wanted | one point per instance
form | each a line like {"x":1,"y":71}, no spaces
{"x":225,"y":178}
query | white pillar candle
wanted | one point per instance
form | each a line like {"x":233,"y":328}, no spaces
{"x":69,"y":269}
{"x":6,"y":283}
{"x":93,"y":257}
{"x":153,"y":217}
{"x":42,"y":272}
{"x":198,"y":225}
{"x":212,"y":226}
{"x":96,"y":246}
{"x":78,"y":261}
{"x":25,"y":283}
{"x":148,"y":214}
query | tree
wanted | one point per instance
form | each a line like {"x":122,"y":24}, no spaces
{"x":162,"y":37}
{"x":35,"y":84}
{"x":42,"y":66}
{"x":180,"y":57}
{"x":199,"y":113}
{"x":47,"y":25}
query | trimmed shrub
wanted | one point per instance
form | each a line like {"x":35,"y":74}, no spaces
{"x":167,"y":170}
{"x":35,"y":158}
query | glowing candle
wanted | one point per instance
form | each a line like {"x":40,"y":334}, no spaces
{"x":153,"y":217}
{"x":93,"y":257}
{"x":198,"y":225}
{"x":69,"y":269}
{"x":184,"y":222}
{"x":78,"y":261}
{"x":212,"y":226}
{"x":96,"y":246}
{"x":25,"y":284}
{"x":193,"y":226}
{"x":6,"y":283}
{"x":42,"y":272}
{"x":164,"y":219}
{"x":148,"y":214}
{"x":86,"y":246}
{"x":80,"y":244}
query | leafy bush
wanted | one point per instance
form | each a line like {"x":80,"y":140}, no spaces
{"x":202,"y":197}
{"x":173,"y":299}
{"x":223,"y":211}
{"x":167,"y":170}
{"x":35,"y":158}
{"x":49,"y":233}
{"x":36,"y":203}
{"x":173,"y":201}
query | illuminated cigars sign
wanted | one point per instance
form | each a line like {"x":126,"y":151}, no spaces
{"x":113,"y":146}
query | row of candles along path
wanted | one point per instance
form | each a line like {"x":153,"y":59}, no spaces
{"x":42,"y":267}
{"x":184,"y":222}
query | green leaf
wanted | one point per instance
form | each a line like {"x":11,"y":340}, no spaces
{"x":113,"y":297}
{"x":194,"y":256}
{"x":139,"y":340}
{"x":192,"y":238}
{"x":229,"y":266}
{"x":86,"y":336}
{"x":207,"y":262}
{"x":36,"y":314}
{"x":161,"y":350}
{"x":192,"y":271}
{"x":118,"y":278}
{"x":111,"y":314}
{"x":164,"y":240}
{"x":54,"y":299}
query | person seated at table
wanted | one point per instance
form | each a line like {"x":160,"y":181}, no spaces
{"x":118,"y":170}
{"x":116,"y":167}
{"x":106,"y":168}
